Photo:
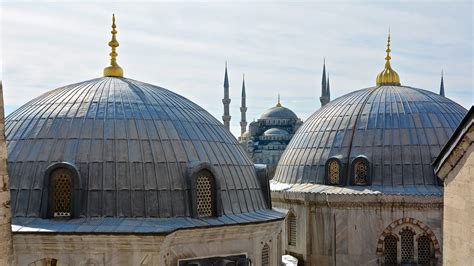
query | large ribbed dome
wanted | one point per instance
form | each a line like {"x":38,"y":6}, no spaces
{"x":398,"y":129}
{"x":132,"y":144}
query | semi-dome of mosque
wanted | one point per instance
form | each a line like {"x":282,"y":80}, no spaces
{"x":383,"y":137}
{"x":278,"y":112}
{"x":134,"y":150}
{"x":275,"y":132}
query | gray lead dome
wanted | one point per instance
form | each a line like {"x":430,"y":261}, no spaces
{"x":399,"y":129}
{"x":132,"y":144}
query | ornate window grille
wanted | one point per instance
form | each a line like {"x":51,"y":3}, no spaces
{"x":61,"y":184}
{"x":407,"y":246}
{"x":425,"y":250}
{"x":205,"y":194}
{"x":334,"y":170}
{"x":361,"y":173}
{"x":291,"y":229}
{"x":266,"y":255}
{"x":390,"y":250}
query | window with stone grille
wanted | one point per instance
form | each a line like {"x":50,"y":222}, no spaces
{"x":334,"y":171}
{"x":61,"y":189}
{"x":291,"y":229}
{"x":390,"y":250}
{"x":205,"y":197}
{"x":425,"y":250}
{"x":361,"y":172}
{"x":407,"y":245}
{"x":266,"y":255}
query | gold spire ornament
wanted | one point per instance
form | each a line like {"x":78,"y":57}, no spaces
{"x":114,"y":70}
{"x":388,"y":76}
{"x":278,"y":103}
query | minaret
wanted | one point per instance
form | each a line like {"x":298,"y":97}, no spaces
{"x":243,"y":110}
{"x":6,"y":248}
{"x":441,"y":86}
{"x":328,"y":90}
{"x":226,"y":100}
{"x":324,"y":99}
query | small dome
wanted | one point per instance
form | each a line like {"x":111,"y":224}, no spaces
{"x":275,"y":132}
{"x":278,"y":112}
{"x":246,"y":134}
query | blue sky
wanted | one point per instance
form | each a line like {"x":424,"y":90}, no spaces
{"x":280,"y":47}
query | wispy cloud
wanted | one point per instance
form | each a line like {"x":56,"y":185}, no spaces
{"x":280,"y":46}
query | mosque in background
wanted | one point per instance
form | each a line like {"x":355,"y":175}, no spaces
{"x":114,"y":171}
{"x":357,"y":177}
{"x":267,"y":138}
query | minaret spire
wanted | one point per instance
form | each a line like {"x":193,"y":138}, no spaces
{"x":226,"y":100}
{"x":243,"y":109}
{"x":441,"y":86}
{"x":324,"y":99}
{"x":114,"y":70}
{"x":328,"y":90}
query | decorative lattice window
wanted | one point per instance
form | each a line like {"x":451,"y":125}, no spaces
{"x":390,"y":250}
{"x":407,"y":246}
{"x":205,"y":194}
{"x":361,"y":173}
{"x":425,"y":252}
{"x":291,"y":229}
{"x":61,"y":184}
{"x":334,"y":170}
{"x":266,"y":255}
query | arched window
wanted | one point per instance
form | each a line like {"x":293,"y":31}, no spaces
{"x":61,"y":193}
{"x":390,"y":250}
{"x":360,"y":171}
{"x":205,"y":194}
{"x":407,"y":246}
{"x":333,"y":169}
{"x":291,"y":227}
{"x":45,"y":262}
{"x":425,"y":250}
{"x":266,"y":255}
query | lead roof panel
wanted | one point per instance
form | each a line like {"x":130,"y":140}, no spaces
{"x":131,"y":142}
{"x":388,"y":124}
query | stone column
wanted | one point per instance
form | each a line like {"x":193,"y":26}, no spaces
{"x":6,"y":248}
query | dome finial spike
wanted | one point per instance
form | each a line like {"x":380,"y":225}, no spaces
{"x":114,"y":70}
{"x":278,"y":103}
{"x":388,"y":76}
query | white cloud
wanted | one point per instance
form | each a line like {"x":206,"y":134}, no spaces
{"x":279,"y":46}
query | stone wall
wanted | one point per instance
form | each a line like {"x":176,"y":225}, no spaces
{"x":129,"y":249}
{"x":349,"y":233}
{"x":6,"y":251}
{"x":458,"y":223}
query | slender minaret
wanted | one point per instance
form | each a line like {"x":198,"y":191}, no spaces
{"x":6,"y":249}
{"x":441,"y":86}
{"x":328,"y":90}
{"x":226,"y":101}
{"x":243,"y":110}
{"x":324,"y":99}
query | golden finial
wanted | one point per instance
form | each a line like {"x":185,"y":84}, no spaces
{"x":114,"y":70}
{"x":388,"y":76}
{"x":278,"y":103}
